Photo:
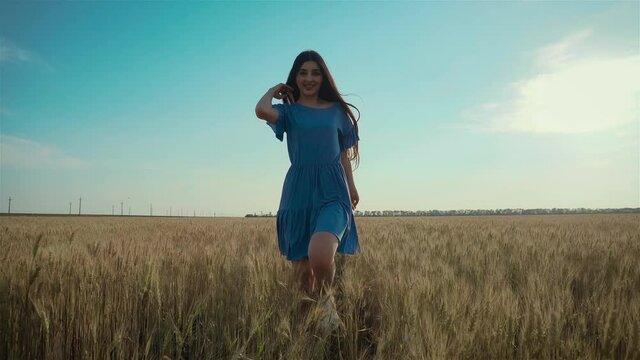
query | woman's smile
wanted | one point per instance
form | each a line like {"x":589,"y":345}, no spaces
{"x":309,"y":87}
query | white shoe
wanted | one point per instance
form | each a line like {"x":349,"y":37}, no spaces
{"x":329,"y":319}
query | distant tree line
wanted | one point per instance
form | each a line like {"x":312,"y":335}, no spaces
{"x":261,"y":215}
{"x":482,"y":212}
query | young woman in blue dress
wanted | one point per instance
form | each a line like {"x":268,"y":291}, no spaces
{"x":311,"y":85}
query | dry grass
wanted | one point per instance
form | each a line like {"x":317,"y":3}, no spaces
{"x":463,"y":287}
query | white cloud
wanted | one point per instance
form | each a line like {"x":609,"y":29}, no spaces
{"x":559,"y":53}
{"x":569,"y":94}
{"x":10,"y":53}
{"x":24,"y":153}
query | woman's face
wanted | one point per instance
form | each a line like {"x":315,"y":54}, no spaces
{"x":309,"y":79}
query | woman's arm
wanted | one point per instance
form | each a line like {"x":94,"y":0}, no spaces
{"x":264,"y":108}
{"x":353,"y":192}
{"x":346,"y":164}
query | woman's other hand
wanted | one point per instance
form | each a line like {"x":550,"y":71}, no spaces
{"x":355,"y":198}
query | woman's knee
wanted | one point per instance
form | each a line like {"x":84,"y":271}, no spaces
{"x":322,"y":249}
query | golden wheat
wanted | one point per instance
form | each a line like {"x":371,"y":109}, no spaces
{"x":422,"y":288}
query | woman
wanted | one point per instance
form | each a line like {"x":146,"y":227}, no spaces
{"x":315,"y":217}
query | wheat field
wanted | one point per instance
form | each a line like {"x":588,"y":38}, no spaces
{"x":496,"y":287}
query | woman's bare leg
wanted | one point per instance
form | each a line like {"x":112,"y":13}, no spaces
{"x":322,"y":249}
{"x":304,"y":275}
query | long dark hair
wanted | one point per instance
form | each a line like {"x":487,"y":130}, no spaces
{"x":328,"y":92}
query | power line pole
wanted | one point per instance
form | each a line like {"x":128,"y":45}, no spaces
{"x":80,"y":206}
{"x":150,"y":209}
{"x":69,"y":208}
{"x":9,"y":212}
{"x":121,"y":213}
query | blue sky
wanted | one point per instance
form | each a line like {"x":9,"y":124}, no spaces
{"x":464,"y":105}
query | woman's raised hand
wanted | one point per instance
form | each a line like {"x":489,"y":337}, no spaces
{"x":283,"y":91}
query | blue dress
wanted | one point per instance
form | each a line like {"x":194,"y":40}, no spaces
{"x":315,"y":195}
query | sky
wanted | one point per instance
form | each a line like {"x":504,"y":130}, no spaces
{"x":463,"y":105}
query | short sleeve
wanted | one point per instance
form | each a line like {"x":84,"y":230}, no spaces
{"x":348,"y":135}
{"x":281,"y":125}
